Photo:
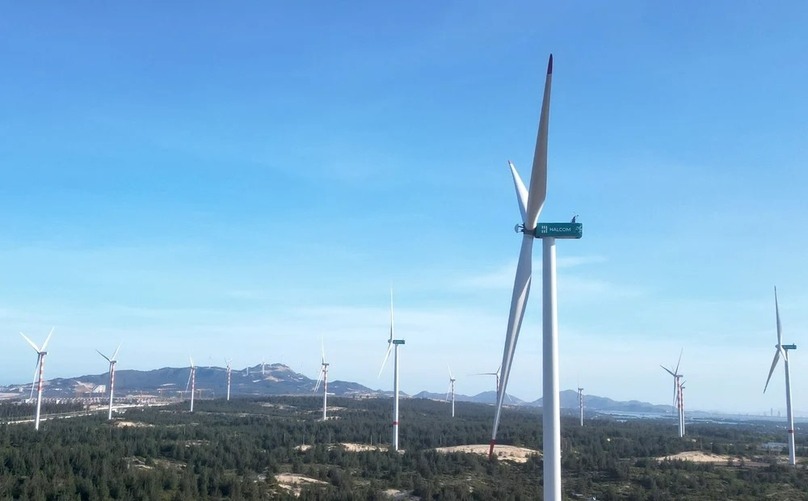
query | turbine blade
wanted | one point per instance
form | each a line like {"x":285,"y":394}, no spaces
{"x":521,"y":290}
{"x":322,"y":348}
{"x":391,"y":315}
{"x":771,"y":371}
{"x":192,"y":362}
{"x":319,"y":380}
{"x":33,"y":381}
{"x":386,"y":356}
{"x":521,"y":191}
{"x":190,"y":374}
{"x":35,"y":347}
{"x":668,"y":371}
{"x":450,"y":372}
{"x":538,"y":177}
{"x":47,"y":339}
{"x":777,"y":313}
{"x":679,"y":361}
{"x":106,"y":357}
{"x":115,"y":355}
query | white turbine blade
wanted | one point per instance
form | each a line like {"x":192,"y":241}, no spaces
{"x":521,"y":290}
{"x":190,"y":374}
{"x":322,"y":348}
{"x":105,"y":357}
{"x":34,"y":346}
{"x":115,"y":355}
{"x":771,"y":371}
{"x":521,"y":191}
{"x":679,"y":361}
{"x":391,"y":315}
{"x":33,"y":382}
{"x":777,"y":313}
{"x":450,"y":372}
{"x":538,"y":177}
{"x":47,"y":339}
{"x":449,"y":390}
{"x":192,"y":362}
{"x":386,"y":356}
{"x":319,"y":379}
{"x":668,"y":371}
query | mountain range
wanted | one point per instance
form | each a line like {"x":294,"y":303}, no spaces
{"x":279,"y":379}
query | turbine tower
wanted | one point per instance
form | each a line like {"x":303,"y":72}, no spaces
{"x":39,"y":368}
{"x":531,"y":202}
{"x":581,"y":404}
{"x":391,"y":343}
{"x":782,"y":350}
{"x":191,"y":382}
{"x":112,"y":361}
{"x":323,"y":378}
{"x":229,"y":370}
{"x":451,"y":390}
{"x":678,"y":403}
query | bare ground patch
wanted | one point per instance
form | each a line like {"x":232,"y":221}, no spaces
{"x":506,"y":452}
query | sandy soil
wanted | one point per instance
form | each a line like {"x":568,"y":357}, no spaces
{"x":399,"y":495}
{"x":698,"y":457}
{"x":292,"y":481}
{"x":506,"y":452}
{"x":361,"y":447}
{"x":132,"y":424}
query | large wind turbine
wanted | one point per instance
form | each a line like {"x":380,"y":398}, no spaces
{"x":530,"y":204}
{"x":323,"y":378}
{"x":782,"y":350}
{"x":391,"y":343}
{"x":678,"y":402}
{"x":496,"y":375}
{"x":112,"y":361}
{"x":191,"y":382}
{"x":229,"y":370}
{"x":581,"y":404}
{"x":451,"y":391}
{"x":40,"y":368}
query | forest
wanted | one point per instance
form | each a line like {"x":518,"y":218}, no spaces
{"x":239,"y":449}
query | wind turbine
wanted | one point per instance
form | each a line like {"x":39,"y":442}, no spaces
{"x":581,"y":404}
{"x":191,"y":382}
{"x":391,"y":343}
{"x":495,"y":374}
{"x":40,"y":367}
{"x":782,"y":350}
{"x":530,"y":204}
{"x":229,"y":370}
{"x":451,"y":390}
{"x":112,"y":361}
{"x":263,"y":368}
{"x":323,"y":378}
{"x":677,"y":395}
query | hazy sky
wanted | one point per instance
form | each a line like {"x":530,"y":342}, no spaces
{"x":242,"y":180}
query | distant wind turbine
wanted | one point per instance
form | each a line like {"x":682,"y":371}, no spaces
{"x":581,"y":404}
{"x":191,"y":382}
{"x":229,"y":370}
{"x":678,"y":402}
{"x":112,"y":361}
{"x":323,"y":378}
{"x":451,"y":391}
{"x":393,"y":343}
{"x":40,"y":368}
{"x":782,"y":350}
{"x":531,"y":202}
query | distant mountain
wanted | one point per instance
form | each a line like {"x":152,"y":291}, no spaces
{"x":274,"y":379}
{"x":279,"y":379}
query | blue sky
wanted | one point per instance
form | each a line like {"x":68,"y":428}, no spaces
{"x":243,"y":180}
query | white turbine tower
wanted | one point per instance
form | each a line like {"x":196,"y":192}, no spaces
{"x":191,"y":382}
{"x":39,"y":368}
{"x":229,"y":370}
{"x":782,"y":350}
{"x":678,"y":402}
{"x":581,"y":404}
{"x":530,"y":204}
{"x":391,"y":343}
{"x":112,"y":361}
{"x":451,"y":391}
{"x":323,"y":378}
